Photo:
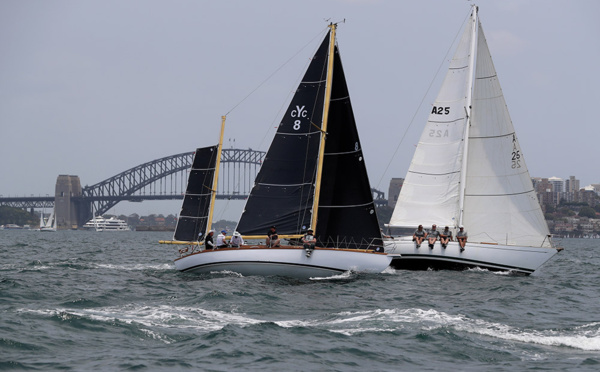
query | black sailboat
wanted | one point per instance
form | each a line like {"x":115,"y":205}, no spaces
{"x":291,"y":191}
{"x":313,"y":176}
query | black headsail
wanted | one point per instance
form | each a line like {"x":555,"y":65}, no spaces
{"x":284,"y":188}
{"x":346,"y":215}
{"x":196,"y":203}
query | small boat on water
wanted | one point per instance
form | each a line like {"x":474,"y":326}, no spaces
{"x":468,"y":170}
{"x":303,"y":184}
{"x":12,"y":226}
{"x":106,"y":224}
{"x":49,"y":224}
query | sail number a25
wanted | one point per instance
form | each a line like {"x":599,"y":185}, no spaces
{"x":516,"y":154}
{"x":298,"y":112}
{"x":440,"y":110}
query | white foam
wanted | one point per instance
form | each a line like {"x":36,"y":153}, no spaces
{"x":389,"y":270}
{"x":162,"y":316}
{"x":228,"y":272}
{"x":345,"y":275}
{"x":135,"y":267}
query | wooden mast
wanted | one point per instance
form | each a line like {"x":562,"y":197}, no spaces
{"x":216,"y":178}
{"x":328,"y":82}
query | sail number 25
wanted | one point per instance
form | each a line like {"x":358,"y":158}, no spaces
{"x":298,"y":112}
{"x":516,"y":154}
{"x":516,"y":159}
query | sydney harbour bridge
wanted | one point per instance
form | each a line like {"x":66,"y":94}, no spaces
{"x":160,"y":179}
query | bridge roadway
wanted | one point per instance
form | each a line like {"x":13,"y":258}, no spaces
{"x":38,"y":202}
{"x":160,"y":179}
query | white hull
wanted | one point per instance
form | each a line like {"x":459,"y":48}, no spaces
{"x":486,"y":256}
{"x":110,"y":224}
{"x":48,"y":229}
{"x":285,"y":261}
{"x":121,"y":228}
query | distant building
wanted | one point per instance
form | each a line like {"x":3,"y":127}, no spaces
{"x":572,"y":184}
{"x":557,"y":184}
{"x":394,"y":191}
{"x":595,"y":187}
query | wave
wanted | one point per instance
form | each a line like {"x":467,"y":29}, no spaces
{"x":585,"y":337}
{"x":155,"y":321}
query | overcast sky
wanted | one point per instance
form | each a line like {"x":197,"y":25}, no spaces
{"x":93,"y":88}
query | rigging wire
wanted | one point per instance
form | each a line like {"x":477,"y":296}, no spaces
{"x":442,"y":63}
{"x":297,"y":82}
{"x":273,"y":73}
{"x":287,"y":98}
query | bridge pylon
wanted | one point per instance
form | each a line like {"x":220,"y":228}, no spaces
{"x":66,"y":207}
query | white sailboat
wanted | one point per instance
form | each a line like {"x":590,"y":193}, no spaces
{"x":468,"y":169}
{"x":48,"y":225}
{"x":316,"y":144}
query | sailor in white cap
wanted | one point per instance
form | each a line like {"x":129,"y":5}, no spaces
{"x":237,"y":240}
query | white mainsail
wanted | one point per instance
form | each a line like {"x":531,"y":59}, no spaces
{"x":498,"y":202}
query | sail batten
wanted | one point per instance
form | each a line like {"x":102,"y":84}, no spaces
{"x":435,"y":174}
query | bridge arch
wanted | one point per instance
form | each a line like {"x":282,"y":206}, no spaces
{"x":166,"y":178}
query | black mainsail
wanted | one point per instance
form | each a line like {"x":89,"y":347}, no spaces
{"x":284,"y":190}
{"x":194,"y":215}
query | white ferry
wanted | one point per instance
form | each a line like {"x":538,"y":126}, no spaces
{"x":106,"y":224}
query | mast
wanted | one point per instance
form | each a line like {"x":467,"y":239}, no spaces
{"x":216,"y":177}
{"x":468,"y":109}
{"x":328,"y":82}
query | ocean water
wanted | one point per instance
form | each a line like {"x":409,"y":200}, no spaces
{"x":83,"y":301}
